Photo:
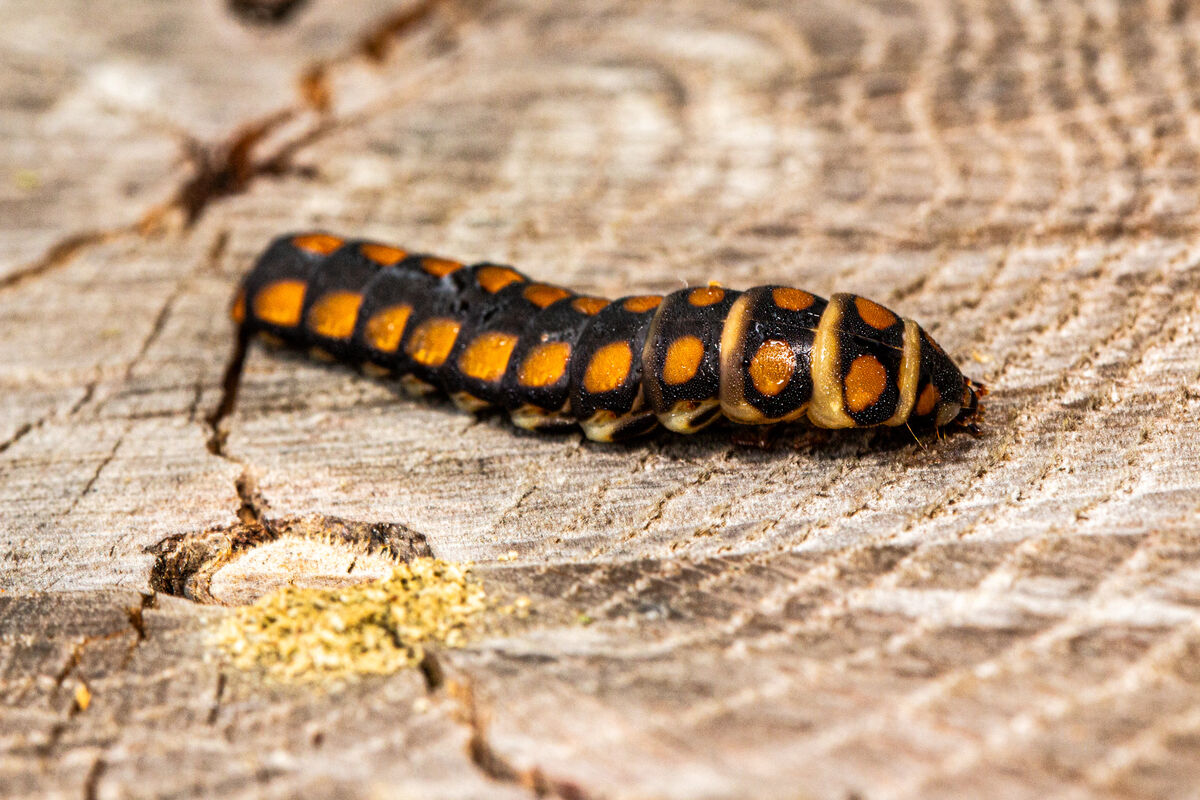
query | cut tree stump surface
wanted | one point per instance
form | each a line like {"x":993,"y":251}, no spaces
{"x":838,"y":615}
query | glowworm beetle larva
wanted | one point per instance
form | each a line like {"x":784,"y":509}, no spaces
{"x":489,"y":336}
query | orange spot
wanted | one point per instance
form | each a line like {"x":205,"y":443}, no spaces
{"x":865,"y":382}
{"x":792,"y":299}
{"x":542,"y":295}
{"x":432,"y":341}
{"x":486,"y":357}
{"x":609,"y":368}
{"x":772,"y":367}
{"x":320,"y":243}
{"x":545,"y":364}
{"x":683,"y":359}
{"x":589,"y":305}
{"x":493,"y":279}
{"x":928,"y":400}
{"x":382,"y":254}
{"x":238,"y":310}
{"x":440,"y":267}
{"x":333,"y":315}
{"x":874,"y":314}
{"x":280,"y":303}
{"x":642,"y":303}
{"x":385,"y":329}
{"x":706,"y":296}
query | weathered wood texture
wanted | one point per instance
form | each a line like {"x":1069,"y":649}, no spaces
{"x":1011,"y":616}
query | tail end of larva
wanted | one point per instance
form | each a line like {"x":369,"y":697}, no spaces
{"x":971,"y":414}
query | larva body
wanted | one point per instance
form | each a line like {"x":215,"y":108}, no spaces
{"x":488,"y":336}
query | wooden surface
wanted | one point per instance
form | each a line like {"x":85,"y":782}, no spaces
{"x":840,"y":616}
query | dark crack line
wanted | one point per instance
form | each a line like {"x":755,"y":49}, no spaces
{"x":230,"y":385}
{"x":490,"y":763}
{"x":252,"y":505}
{"x":214,"y":710}
{"x":59,"y":254}
{"x":92,"y":781}
{"x":87,"y":487}
{"x":20,"y":433}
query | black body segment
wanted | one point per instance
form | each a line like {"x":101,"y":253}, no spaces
{"x":941,"y":389}
{"x":870,"y":342}
{"x":489,"y":336}
{"x":433,"y":327}
{"x":606,"y":369}
{"x":766,"y":354}
{"x":271,"y":298}
{"x":682,"y":357}
{"x":870,"y":378}
{"x":335,"y":293}
{"x":538,"y":374}
{"x":386,"y":311}
{"x":493,"y":310}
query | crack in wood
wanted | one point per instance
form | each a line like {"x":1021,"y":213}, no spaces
{"x":20,"y":433}
{"x":493,"y":765}
{"x":91,"y":482}
{"x":226,"y":168}
{"x":376,"y":42}
{"x":59,"y":254}
{"x":214,"y":710}
{"x":92,"y":781}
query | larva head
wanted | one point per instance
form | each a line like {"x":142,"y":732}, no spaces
{"x":944,"y":395}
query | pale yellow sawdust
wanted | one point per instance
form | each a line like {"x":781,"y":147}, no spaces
{"x":298,"y":634}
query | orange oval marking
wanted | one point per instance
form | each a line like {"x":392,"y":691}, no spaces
{"x":874,"y":314}
{"x":706,"y":296}
{"x":238,"y":310}
{"x":589,"y":305}
{"x":320,"y":243}
{"x":928,"y":400}
{"x":608,"y":368}
{"x":440,"y":267}
{"x":333,"y":315}
{"x":280,"y":303}
{"x":486,"y":357}
{"x":432,"y":341}
{"x":772,"y":366}
{"x":683,"y":359}
{"x":642,"y":303}
{"x":545,"y":364}
{"x":382,"y":254}
{"x":493,"y":279}
{"x":385,"y":329}
{"x":542,"y":294}
{"x":865,"y":381}
{"x":792,"y":299}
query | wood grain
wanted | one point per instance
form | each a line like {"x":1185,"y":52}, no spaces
{"x":842,"y":615}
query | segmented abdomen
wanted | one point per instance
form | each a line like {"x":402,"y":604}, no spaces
{"x":489,"y":336}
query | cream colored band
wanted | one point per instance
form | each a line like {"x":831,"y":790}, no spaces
{"x":910,"y":372}
{"x":826,"y":409}
{"x":733,"y":375}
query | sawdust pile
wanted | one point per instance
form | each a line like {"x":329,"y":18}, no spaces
{"x":373,"y":628}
